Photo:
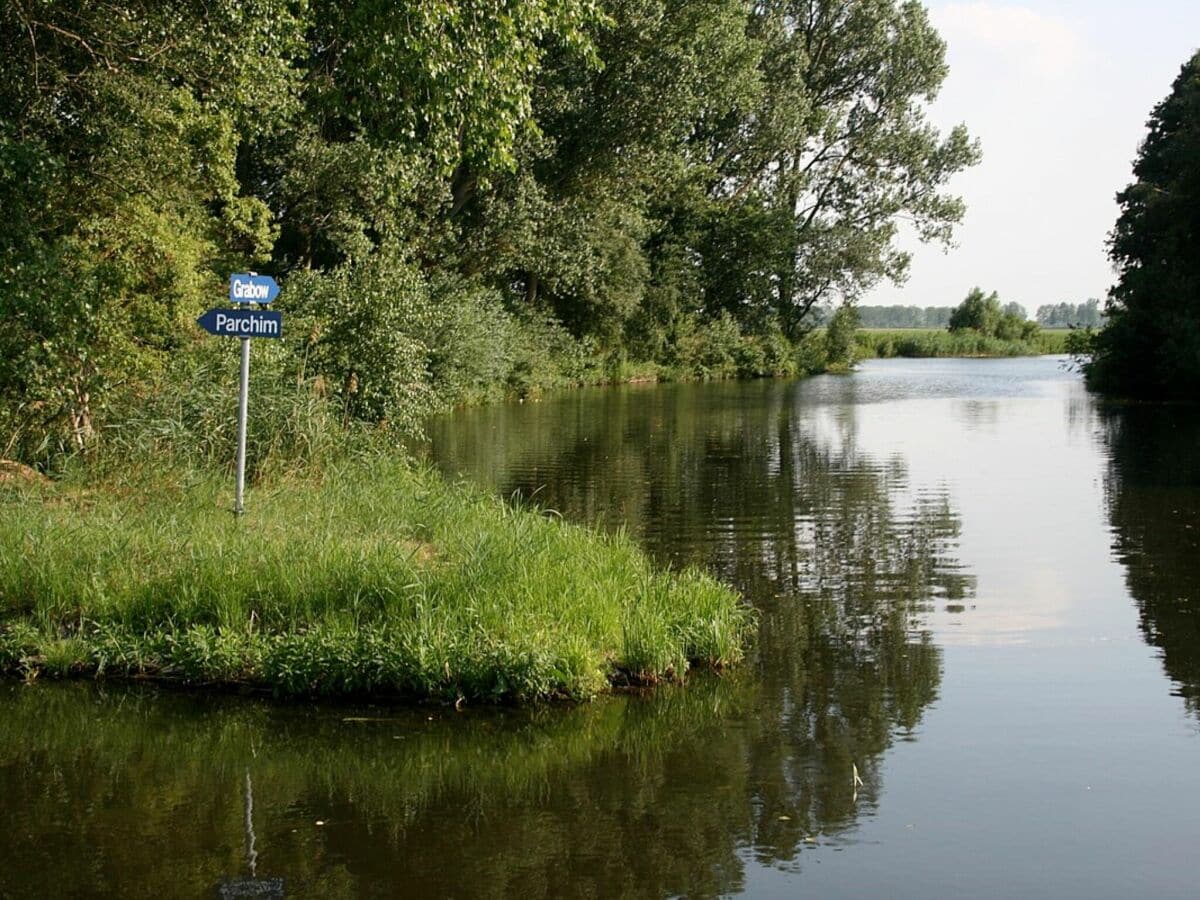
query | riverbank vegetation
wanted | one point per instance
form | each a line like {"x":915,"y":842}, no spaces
{"x":1149,"y":347}
{"x":372,"y":579}
{"x":921,"y":343}
{"x":460,"y":200}
{"x":979,"y":326}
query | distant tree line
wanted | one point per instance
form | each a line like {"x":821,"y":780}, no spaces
{"x":905,"y":316}
{"x":459,"y":198}
{"x":1071,"y":315}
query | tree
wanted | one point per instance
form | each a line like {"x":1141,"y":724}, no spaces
{"x":606,"y":211}
{"x":1070,"y":315}
{"x":1088,"y":315}
{"x":1150,"y":346}
{"x":839,"y":147}
{"x":984,"y":314}
{"x":728,"y":158}
{"x":978,"y":312}
{"x":119,"y":132}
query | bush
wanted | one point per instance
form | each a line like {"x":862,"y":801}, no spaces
{"x":811,"y":355}
{"x":473,"y":342}
{"x":839,"y":339}
{"x":360,"y":328}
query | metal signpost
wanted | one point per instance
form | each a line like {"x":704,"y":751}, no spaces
{"x":246,"y":287}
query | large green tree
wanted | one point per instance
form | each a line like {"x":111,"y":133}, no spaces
{"x":839,"y":148}
{"x":580,"y":224}
{"x":1150,"y":345}
{"x":553,"y":186}
{"x":120,"y":124}
{"x":728,"y":158}
{"x":408,"y":109}
{"x":149,"y":149}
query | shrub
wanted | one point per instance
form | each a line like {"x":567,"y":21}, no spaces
{"x":360,"y":328}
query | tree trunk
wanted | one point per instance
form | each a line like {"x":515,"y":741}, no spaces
{"x":80,"y":415}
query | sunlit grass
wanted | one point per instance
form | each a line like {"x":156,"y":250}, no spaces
{"x":373,"y":578}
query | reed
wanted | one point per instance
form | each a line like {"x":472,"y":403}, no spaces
{"x":922,"y":343}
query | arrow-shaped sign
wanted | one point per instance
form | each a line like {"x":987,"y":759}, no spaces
{"x":245,"y":323}
{"x":247,"y":287}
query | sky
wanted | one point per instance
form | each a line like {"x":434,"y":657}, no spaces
{"x":1058,"y":93}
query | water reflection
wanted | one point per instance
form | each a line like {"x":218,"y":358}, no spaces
{"x":365,"y":801}
{"x":766,"y":485}
{"x":1153,"y":494}
{"x":675,"y":793}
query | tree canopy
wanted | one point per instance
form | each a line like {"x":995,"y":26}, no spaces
{"x":671,"y":183}
{"x":1070,"y":315}
{"x":983,"y":313}
{"x":1150,"y":346}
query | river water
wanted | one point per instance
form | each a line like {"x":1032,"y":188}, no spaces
{"x":977,"y":675}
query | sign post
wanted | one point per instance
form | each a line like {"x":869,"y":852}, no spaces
{"x":245,"y":324}
{"x":243,"y":403}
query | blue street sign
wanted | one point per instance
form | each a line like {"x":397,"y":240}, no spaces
{"x":247,"y":288}
{"x":245,"y":323}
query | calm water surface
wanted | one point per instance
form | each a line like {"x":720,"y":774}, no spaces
{"x":978,"y":590}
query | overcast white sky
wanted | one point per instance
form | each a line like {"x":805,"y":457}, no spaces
{"x":1059,"y":92}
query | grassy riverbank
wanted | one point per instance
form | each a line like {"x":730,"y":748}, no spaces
{"x":920,"y":343}
{"x":369,"y":579}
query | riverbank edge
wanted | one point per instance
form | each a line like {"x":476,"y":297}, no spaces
{"x":932,"y":343}
{"x":378,"y":580}
{"x":1049,"y":342}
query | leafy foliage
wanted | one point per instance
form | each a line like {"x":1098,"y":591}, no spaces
{"x":1070,"y":315}
{"x":360,"y":327}
{"x":120,"y":125}
{"x":461,"y":199}
{"x":839,"y":338}
{"x":982,"y":313}
{"x":1150,"y":345}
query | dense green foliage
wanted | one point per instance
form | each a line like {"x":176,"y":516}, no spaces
{"x":1070,"y":315}
{"x":377,"y":580}
{"x":982,"y":313}
{"x":904,"y":316}
{"x":1150,"y":346}
{"x":461,"y":199}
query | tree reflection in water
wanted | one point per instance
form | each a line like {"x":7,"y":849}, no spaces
{"x":654,"y":795}
{"x":1153,"y":493}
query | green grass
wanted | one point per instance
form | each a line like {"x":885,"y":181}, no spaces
{"x":369,"y":579}
{"x":885,"y":343}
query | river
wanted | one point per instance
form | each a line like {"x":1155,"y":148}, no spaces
{"x":977,"y":675}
